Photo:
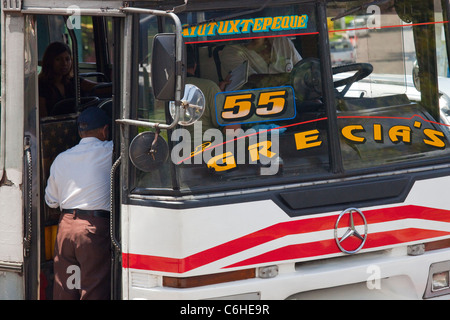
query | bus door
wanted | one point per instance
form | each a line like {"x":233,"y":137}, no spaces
{"x":92,"y":44}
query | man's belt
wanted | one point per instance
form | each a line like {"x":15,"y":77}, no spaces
{"x":91,"y":213}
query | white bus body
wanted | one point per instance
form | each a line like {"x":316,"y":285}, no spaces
{"x":356,"y":207}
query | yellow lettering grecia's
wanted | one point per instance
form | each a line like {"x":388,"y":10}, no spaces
{"x":434,"y":141}
{"x":307,"y":139}
{"x":378,"y":132}
{"x":222,"y":162}
{"x":347,"y":132}
{"x":397,"y":132}
{"x":261,"y":148}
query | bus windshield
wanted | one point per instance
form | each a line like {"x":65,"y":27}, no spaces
{"x":266,"y":118}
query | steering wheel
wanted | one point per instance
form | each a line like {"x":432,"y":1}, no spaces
{"x":362,"y":71}
{"x":306,"y":78}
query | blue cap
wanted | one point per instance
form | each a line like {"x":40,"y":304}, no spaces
{"x":92,"y":118}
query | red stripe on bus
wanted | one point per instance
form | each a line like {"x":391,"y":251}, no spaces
{"x":279,"y":230}
{"x":308,"y":250}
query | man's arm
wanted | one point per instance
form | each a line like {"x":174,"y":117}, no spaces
{"x":51,"y":193}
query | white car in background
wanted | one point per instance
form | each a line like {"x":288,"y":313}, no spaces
{"x":342,"y":52}
{"x":358,"y":28}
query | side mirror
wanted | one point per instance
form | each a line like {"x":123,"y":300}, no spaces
{"x":165,"y":68}
{"x":148,"y":151}
{"x":192,"y":105}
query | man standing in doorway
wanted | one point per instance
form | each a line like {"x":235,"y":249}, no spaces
{"x":79,"y":186}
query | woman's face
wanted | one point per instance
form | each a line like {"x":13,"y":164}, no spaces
{"x":62,"y":64}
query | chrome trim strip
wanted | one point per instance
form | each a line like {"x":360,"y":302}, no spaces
{"x":11,"y":266}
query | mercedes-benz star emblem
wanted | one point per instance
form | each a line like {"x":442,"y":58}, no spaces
{"x":351,"y":232}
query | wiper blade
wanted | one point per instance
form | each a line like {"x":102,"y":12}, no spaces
{"x":180,"y":8}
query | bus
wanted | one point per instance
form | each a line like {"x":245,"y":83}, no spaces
{"x":246,"y":165}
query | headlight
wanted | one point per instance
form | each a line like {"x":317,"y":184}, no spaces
{"x":440,"y":281}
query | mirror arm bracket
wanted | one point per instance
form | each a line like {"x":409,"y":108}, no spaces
{"x":148,"y":124}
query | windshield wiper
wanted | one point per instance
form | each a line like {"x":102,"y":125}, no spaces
{"x":358,"y":8}
{"x":180,"y":8}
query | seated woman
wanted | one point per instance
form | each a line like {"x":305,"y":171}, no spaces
{"x":56,"y":80}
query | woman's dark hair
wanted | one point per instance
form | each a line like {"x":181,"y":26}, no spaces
{"x":53,"y":50}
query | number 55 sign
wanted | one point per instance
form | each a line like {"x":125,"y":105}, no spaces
{"x":258,"y":105}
